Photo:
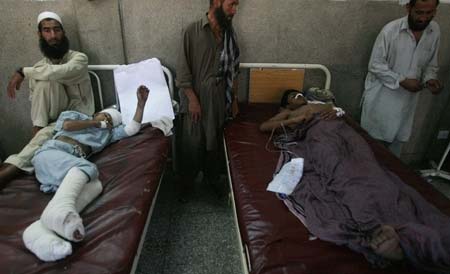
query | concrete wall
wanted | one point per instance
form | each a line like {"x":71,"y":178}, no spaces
{"x":338,"y":34}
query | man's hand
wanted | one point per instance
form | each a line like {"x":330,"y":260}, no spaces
{"x":14,"y":84}
{"x":195,"y":109}
{"x":411,"y":85}
{"x":142,"y":95}
{"x":328,"y":114}
{"x":434,"y":86}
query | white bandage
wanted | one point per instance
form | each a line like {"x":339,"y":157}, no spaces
{"x":103,"y":124}
{"x":90,"y":191}
{"x":339,"y":111}
{"x":60,"y":215}
{"x":165,"y":124}
{"x":132,"y":128}
{"x":44,"y":243}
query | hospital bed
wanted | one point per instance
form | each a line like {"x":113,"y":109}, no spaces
{"x":116,"y":222}
{"x":272,"y":239}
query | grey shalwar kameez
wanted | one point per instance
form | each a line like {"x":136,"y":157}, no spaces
{"x":198,"y":67}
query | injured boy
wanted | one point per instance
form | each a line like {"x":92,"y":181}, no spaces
{"x":295,"y":109}
{"x":345,"y":196}
{"x":61,"y":166}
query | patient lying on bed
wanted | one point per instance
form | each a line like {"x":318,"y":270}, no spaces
{"x":295,"y":109}
{"x":61,"y":166}
{"x":346,"y":197}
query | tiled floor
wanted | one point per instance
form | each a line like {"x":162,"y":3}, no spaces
{"x":194,"y":237}
{"x":439,"y":183}
{"x":442,"y":185}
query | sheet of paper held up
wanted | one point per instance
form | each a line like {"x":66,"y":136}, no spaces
{"x":149,"y":72}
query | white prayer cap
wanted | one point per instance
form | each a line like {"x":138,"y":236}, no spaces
{"x":48,"y":15}
{"x":403,"y":2}
{"x":115,"y":115}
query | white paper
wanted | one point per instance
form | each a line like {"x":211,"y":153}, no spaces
{"x":149,"y":72}
{"x":287,"y":179}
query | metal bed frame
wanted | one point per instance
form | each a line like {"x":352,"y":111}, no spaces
{"x":437,"y":171}
{"x":243,"y":249}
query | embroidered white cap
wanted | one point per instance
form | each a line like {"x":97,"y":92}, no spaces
{"x":48,"y":15}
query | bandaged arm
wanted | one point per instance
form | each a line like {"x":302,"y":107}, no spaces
{"x":133,"y":127}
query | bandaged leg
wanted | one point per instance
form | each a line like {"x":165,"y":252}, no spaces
{"x":44,"y":243}
{"x":90,"y":191}
{"x":60,"y":215}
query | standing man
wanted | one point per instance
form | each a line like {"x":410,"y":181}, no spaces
{"x":58,"y":82}
{"x":206,"y":75}
{"x":404,"y":61}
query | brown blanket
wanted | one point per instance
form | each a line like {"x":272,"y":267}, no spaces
{"x":347,"y":194}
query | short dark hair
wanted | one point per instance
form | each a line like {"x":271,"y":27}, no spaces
{"x":412,"y":3}
{"x":285,"y":97}
{"x":48,"y":19}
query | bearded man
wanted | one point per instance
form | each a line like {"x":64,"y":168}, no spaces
{"x":208,"y":64}
{"x":58,"y":82}
{"x":404,"y":61}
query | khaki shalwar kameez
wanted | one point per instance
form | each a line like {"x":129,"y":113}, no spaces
{"x":53,"y":89}
{"x":198,"y":67}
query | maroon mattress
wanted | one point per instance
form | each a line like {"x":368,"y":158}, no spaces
{"x":276,"y":240}
{"x":130,"y":171}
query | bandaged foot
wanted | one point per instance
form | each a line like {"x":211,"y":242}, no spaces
{"x":61,"y":215}
{"x":385,"y":242}
{"x":44,"y":243}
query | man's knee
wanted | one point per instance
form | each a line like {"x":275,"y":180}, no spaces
{"x":7,"y":173}
{"x":41,"y":86}
{"x":48,"y":99}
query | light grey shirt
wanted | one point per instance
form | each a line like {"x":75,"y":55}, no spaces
{"x":96,"y":138}
{"x":387,"y":108}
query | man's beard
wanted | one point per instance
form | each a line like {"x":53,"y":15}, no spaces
{"x":56,"y":51}
{"x":224,"y":22}
{"x":414,"y":26}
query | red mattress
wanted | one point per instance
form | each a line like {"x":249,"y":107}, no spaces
{"x":276,"y":240}
{"x":130,"y":171}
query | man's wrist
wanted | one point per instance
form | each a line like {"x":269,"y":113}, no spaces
{"x":20,"y":72}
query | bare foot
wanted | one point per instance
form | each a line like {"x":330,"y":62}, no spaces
{"x":7,"y":173}
{"x":35,"y":130}
{"x":385,"y":242}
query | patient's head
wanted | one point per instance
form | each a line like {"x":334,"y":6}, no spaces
{"x":110,"y":116}
{"x":292,"y":99}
